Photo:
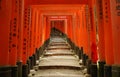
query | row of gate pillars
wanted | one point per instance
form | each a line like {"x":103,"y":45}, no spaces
{"x":18,"y":53}
{"x":21,"y":70}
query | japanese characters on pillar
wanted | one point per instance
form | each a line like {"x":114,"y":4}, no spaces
{"x":88,"y":29}
{"x":25,"y":36}
{"x":32,"y":31}
{"x":5,"y":16}
{"x":35,"y":30}
{"x":13,"y":37}
{"x":108,"y":37}
{"x":28,"y":31}
{"x":117,"y":7}
{"x":100,"y":36}
{"x":85,"y":28}
{"x":93,"y":44}
{"x":20,"y":30}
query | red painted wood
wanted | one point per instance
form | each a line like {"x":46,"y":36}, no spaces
{"x":26,"y":32}
{"x":25,"y":37}
{"x":20,"y":30}
{"x":69,"y":28}
{"x":43,"y":29}
{"x":36,"y":28}
{"x":38,"y":36}
{"x":93,"y":43}
{"x":5,"y":15}
{"x":13,"y":37}
{"x":48,"y":28}
{"x":108,"y":33}
{"x":115,"y":17}
{"x":59,"y":2}
{"x":101,"y":41}
{"x":32,"y":32}
{"x":85,"y":32}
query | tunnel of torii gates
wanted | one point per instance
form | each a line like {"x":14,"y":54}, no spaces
{"x":92,"y":25}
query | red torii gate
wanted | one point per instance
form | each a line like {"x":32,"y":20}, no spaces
{"x":17,"y":46}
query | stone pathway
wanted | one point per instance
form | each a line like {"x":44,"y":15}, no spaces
{"x":58,"y":60}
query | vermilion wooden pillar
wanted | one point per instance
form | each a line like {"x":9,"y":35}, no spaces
{"x":20,"y":36}
{"x":25,"y":34}
{"x":32,"y":36}
{"x":88,"y":30}
{"x":5,"y":16}
{"x":35,"y":35}
{"x":115,"y":17}
{"x":108,"y":33}
{"x":40,"y":30}
{"x":100,"y":37}
{"x":108,"y":38}
{"x":28,"y":37}
{"x":37,"y":29}
{"x":13,"y":35}
{"x":101,"y":42}
{"x":77,"y":29}
{"x":80,"y":29}
{"x":38,"y":41}
{"x":13,"y":38}
{"x":93,"y":31}
{"x":44,"y":29}
{"x":25,"y":52}
{"x":93,"y":42}
{"x":85,"y":32}
{"x":48,"y":28}
{"x":69,"y":27}
{"x":74,"y":29}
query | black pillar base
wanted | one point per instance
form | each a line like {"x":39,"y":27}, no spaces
{"x":34,"y":59}
{"x":107,"y":71}
{"x":77,"y":50}
{"x":79,"y":54}
{"x":88,"y":64}
{"x":81,"y":50}
{"x":93,"y":70}
{"x":5,"y":71}
{"x":101,"y":69}
{"x":14,"y":71}
{"x":31,"y":62}
{"x":84,"y":59}
{"x":115,"y":71}
{"x":28,"y":63}
{"x":38,"y":53}
{"x":19,"y":64}
{"x":25,"y":70}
